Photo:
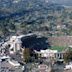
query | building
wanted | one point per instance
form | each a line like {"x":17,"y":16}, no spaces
{"x":48,"y":53}
{"x":16,"y":43}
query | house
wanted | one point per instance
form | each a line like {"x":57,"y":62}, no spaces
{"x":48,"y":53}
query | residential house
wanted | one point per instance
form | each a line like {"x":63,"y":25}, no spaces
{"x":48,"y":53}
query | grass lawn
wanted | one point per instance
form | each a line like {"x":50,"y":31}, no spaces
{"x":59,"y":48}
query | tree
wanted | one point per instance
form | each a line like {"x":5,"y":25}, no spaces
{"x":12,"y":27}
{"x":68,"y":56}
{"x":26,"y":55}
{"x":5,"y":31}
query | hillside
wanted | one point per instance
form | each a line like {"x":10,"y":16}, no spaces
{"x":63,"y":2}
{"x":26,"y":16}
{"x":20,"y":7}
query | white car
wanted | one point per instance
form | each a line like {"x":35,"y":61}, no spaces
{"x":67,"y":67}
{"x":23,"y":67}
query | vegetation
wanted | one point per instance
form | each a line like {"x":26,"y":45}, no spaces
{"x":68,"y":56}
{"x":29,"y":55}
{"x":59,"y":48}
{"x":34,"y":16}
{"x":26,"y":55}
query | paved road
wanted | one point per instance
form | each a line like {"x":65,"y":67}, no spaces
{"x":6,"y":67}
{"x":68,"y":71}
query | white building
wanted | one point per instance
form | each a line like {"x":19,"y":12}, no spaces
{"x":15,"y":44}
{"x":48,"y":53}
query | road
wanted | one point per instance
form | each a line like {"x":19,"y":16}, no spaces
{"x":6,"y":67}
{"x":68,"y":71}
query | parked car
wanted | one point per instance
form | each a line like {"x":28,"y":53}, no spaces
{"x":67,"y":67}
{"x":4,"y":58}
{"x":14,"y":63}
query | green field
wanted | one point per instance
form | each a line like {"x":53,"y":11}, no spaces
{"x":59,"y":48}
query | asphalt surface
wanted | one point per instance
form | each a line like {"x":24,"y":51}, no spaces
{"x":68,"y":71}
{"x":6,"y":67}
